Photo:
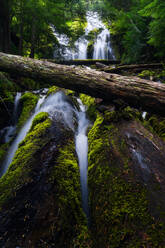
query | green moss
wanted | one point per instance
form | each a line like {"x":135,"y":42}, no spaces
{"x":52,"y":90}
{"x":28,"y":101}
{"x":3,"y":150}
{"x":41,"y":117}
{"x":91,"y":106}
{"x":18,"y":173}
{"x":7,"y":88}
{"x":119,"y":205}
{"x":153,"y":74}
{"x":66,"y":175}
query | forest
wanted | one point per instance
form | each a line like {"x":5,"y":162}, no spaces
{"x":82,"y":124}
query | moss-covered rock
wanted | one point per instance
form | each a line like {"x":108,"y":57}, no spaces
{"x":40,"y":198}
{"x":90,"y":104}
{"x":124,"y":183}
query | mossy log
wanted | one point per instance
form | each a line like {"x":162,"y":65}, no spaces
{"x":134,"y":68}
{"x":136,"y":92}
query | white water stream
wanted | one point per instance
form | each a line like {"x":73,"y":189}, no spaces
{"x":8,"y":132}
{"x":82,"y":152}
{"x":59,"y":106}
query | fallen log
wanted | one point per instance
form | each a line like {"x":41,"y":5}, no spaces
{"x":133,"y":68}
{"x":86,"y":62}
{"x":136,"y":92}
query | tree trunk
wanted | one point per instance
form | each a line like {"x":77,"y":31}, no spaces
{"x":5,"y":25}
{"x":33,"y":38}
{"x":136,"y":92}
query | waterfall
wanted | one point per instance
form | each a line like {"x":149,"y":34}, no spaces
{"x":16,"y":104}
{"x":102,"y":43}
{"x":82,"y":152}
{"x":102,"y":46}
{"x":59,"y":106}
{"x":8,"y":132}
{"x":54,"y":105}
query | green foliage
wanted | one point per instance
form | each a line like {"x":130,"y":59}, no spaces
{"x":137,"y":27}
{"x":7,"y":88}
{"x":28,"y":101}
{"x":30,"y":23}
{"x":156,"y":125}
{"x":155,"y":10}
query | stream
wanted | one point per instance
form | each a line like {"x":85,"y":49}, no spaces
{"x":59,"y":104}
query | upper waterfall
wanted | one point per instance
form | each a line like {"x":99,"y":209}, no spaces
{"x":102,"y":48}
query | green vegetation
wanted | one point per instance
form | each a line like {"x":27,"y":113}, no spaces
{"x":119,"y":204}
{"x":25,"y":25}
{"x":137,"y":28}
{"x":18,"y":173}
{"x":28,"y":101}
{"x":91,"y":106}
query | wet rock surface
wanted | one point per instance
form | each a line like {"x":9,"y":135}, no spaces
{"x":126,"y":184}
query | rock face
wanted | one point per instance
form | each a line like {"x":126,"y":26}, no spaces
{"x":126,"y":183}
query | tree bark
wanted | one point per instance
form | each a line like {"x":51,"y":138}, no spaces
{"x":85,"y":62}
{"x":136,"y":92}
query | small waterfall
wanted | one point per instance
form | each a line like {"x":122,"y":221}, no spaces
{"x":8,"y":132}
{"x":82,"y":152}
{"x":60,"y":107}
{"x":102,"y":46}
{"x":56,"y":105}
{"x":16,"y":104}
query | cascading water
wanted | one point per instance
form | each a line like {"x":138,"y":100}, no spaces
{"x":54,"y":104}
{"x":102,"y":44}
{"x":82,"y":152}
{"x":8,"y":132}
{"x":60,"y":106}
